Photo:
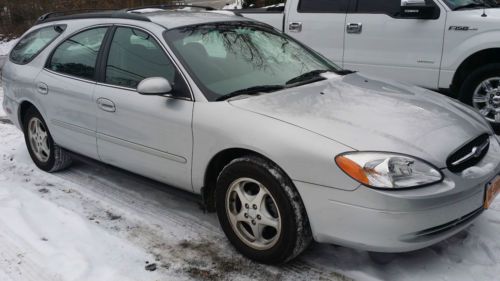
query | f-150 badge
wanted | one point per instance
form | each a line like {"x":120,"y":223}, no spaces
{"x":462,"y":28}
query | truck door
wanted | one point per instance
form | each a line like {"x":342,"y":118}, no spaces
{"x":382,"y":41}
{"x":319,"y":24}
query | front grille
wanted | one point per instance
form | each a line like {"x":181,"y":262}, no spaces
{"x":469,"y":155}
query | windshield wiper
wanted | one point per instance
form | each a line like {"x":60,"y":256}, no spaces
{"x":471,"y":5}
{"x":311,"y":76}
{"x":252,"y":91}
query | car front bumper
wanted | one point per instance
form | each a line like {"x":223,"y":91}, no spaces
{"x":380,"y":230}
{"x":398,"y":221}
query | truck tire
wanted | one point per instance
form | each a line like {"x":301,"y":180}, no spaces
{"x":481,"y":89}
{"x":261,"y":212}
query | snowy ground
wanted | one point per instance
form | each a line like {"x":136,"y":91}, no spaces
{"x":5,"y":46}
{"x":94,"y":222}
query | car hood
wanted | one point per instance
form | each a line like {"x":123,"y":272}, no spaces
{"x":369,"y":114}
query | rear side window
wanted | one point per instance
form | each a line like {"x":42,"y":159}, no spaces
{"x":77,"y":55}
{"x":34,"y":42}
{"x":389,"y":7}
{"x":323,"y":6}
{"x":134,"y":55}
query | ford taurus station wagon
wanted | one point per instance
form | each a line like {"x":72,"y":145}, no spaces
{"x":285,"y":146}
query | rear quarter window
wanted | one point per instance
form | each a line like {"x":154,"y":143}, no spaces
{"x":34,"y":42}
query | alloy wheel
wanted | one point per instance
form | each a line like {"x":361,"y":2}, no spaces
{"x":486,"y":99}
{"x":253,"y":214}
{"x":39,"y":139}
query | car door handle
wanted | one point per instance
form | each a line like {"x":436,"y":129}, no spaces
{"x":354,"y":28}
{"x":106,"y":105}
{"x":42,"y":88}
{"x":295,"y":27}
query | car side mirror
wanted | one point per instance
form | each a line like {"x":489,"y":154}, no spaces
{"x":417,"y":9}
{"x":154,"y":86}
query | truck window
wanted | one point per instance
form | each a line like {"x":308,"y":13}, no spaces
{"x":389,"y":7}
{"x":323,"y":6}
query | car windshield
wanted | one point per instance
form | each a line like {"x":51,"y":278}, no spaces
{"x":457,"y":4}
{"x":229,"y":59}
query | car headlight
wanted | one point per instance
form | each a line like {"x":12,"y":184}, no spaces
{"x":388,"y":170}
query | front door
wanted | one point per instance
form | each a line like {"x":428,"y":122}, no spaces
{"x":148,"y":135}
{"x":380,"y":42}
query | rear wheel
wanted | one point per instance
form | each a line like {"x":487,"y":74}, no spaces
{"x":46,"y":154}
{"x":481,"y":89}
{"x":261,"y":212}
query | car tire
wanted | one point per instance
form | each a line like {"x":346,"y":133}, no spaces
{"x":46,"y":154}
{"x":281,"y":220}
{"x":473,"y":81}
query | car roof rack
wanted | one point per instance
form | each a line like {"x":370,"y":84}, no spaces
{"x":169,"y":7}
{"x":89,"y":14}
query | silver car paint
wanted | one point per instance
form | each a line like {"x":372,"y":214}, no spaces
{"x":300,"y":129}
{"x":369,"y":114}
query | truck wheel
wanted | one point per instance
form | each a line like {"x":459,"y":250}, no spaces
{"x":261,"y":212}
{"x":46,"y":154}
{"x":481,"y":89}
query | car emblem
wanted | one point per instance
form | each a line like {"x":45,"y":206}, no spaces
{"x":475,"y":153}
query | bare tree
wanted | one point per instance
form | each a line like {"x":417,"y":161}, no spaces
{"x":16,"y":16}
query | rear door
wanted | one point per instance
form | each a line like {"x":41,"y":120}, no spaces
{"x":149,"y":135}
{"x":319,"y":24}
{"x":390,"y":46}
{"x":67,"y":84}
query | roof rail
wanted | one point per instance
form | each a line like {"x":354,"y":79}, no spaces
{"x":89,"y":14}
{"x":170,"y":7}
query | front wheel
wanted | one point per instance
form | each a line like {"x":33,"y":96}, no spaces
{"x":261,"y":212}
{"x":481,"y":89}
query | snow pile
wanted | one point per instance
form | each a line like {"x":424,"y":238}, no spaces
{"x":34,"y":230}
{"x":6,"y":46}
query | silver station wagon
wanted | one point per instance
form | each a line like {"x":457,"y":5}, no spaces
{"x":284,"y":145}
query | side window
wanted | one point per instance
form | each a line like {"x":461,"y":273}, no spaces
{"x":323,"y":6}
{"x":133,"y":56}
{"x":389,"y":7}
{"x":34,"y":42}
{"x":77,"y":55}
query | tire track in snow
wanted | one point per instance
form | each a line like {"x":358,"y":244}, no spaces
{"x":17,"y":264}
{"x":150,"y":199}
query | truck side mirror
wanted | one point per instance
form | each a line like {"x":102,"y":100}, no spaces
{"x":417,"y":9}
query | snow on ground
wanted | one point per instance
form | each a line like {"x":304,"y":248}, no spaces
{"x":95,"y":222}
{"x":5,"y":46}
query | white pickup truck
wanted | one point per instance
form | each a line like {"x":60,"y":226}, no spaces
{"x":443,"y":45}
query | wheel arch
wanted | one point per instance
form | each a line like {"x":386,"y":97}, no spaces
{"x":215,"y":166}
{"x":472,"y":62}
{"x":24,"y":106}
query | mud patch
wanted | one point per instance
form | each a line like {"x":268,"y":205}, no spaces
{"x":112,"y":216}
{"x":43,"y":190}
{"x":205,"y":262}
{"x":150,"y":267}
